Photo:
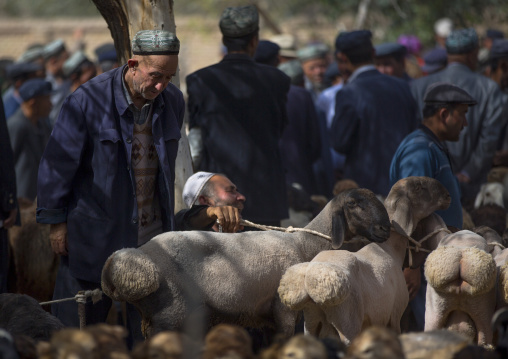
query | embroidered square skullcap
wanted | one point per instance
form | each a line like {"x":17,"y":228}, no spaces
{"x":434,"y":60}
{"x":294,"y":70}
{"x":267,"y":52}
{"x":312,"y":51}
{"x":31,"y":54}
{"x":193,"y":187}
{"x":350,"y":40}
{"x":54,"y":48}
{"x":155,"y":42}
{"x":442,"y":93}
{"x":20,"y":69}
{"x":499,"y":49}
{"x":74,"y":62}
{"x":287,"y":43}
{"x":390,"y":49}
{"x":462,"y":41}
{"x":239,"y":21}
{"x":33,"y":88}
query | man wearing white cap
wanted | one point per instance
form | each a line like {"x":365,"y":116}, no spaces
{"x":210,"y":197}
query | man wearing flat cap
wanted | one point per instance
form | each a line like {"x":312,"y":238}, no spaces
{"x":391,"y":60}
{"x":237,"y":112}
{"x":106,"y":179}
{"x":423,"y":153}
{"x":29,"y":131}
{"x":373,"y":114}
{"x":471,"y":156}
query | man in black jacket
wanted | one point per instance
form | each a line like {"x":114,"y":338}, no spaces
{"x":237,"y":112}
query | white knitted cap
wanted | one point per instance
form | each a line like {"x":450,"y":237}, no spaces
{"x":194,"y":186}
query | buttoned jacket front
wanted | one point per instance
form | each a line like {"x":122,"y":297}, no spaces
{"x":85,"y":175}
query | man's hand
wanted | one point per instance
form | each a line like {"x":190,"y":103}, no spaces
{"x":463,"y":178}
{"x":229,"y":218}
{"x":58,"y":238}
{"x":9,"y":221}
{"x":413,"y":279}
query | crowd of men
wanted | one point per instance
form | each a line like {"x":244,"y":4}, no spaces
{"x":96,"y":142}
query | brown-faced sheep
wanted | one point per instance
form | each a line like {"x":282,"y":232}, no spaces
{"x":232,"y":278}
{"x":341,"y":292}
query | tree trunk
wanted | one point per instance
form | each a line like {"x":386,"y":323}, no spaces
{"x":124,"y":19}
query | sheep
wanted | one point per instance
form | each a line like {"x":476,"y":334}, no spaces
{"x":341,"y":292}
{"x":21,"y":314}
{"x":490,"y":193}
{"x":232,"y":278}
{"x":435,"y":344}
{"x":490,"y":215}
{"x":461,"y":291}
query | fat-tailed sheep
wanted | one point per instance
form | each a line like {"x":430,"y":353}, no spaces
{"x":341,"y":292}
{"x":461,"y":291}
{"x":232,"y":278}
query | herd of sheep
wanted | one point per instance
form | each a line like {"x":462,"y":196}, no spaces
{"x":269,"y":279}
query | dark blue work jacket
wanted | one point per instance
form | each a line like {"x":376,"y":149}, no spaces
{"x":85,"y":176}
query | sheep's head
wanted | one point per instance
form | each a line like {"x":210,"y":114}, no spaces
{"x":358,"y":212}
{"x":413,"y":198}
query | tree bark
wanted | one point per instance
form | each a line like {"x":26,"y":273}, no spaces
{"x":124,"y":19}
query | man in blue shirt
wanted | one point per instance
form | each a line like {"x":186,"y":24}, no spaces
{"x":422,"y":153}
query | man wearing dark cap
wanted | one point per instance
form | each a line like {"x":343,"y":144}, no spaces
{"x":237,"y":113}
{"x":435,"y":60}
{"x":55,"y":55}
{"x":106,"y":58}
{"x":471,"y":156}
{"x":106,"y":179}
{"x":390,"y":60}
{"x":300,"y":143}
{"x":17,"y":74}
{"x":423,"y":153}
{"x":373,"y":113}
{"x":29,"y":130}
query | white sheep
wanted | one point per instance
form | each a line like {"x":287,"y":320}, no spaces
{"x":341,"y":292}
{"x":490,"y":193}
{"x":232,"y":278}
{"x":461,"y":290}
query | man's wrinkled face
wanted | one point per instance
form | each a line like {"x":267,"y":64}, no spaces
{"x":315,"y":70}
{"x":225,"y":193}
{"x":152,"y":74}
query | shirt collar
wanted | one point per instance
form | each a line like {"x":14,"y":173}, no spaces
{"x":359,"y":71}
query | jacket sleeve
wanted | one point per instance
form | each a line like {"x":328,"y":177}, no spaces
{"x":8,"y":199}
{"x":480,"y":161}
{"x":60,"y":162}
{"x":345,"y":123}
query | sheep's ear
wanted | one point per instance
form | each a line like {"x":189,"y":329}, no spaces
{"x":338,"y":230}
{"x":402,"y":214}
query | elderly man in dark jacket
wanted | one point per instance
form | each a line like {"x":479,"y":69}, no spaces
{"x":373,"y":114}
{"x":106,"y":179}
{"x":237,"y":113}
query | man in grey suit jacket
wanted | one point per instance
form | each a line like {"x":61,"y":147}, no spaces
{"x":471,"y":156}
